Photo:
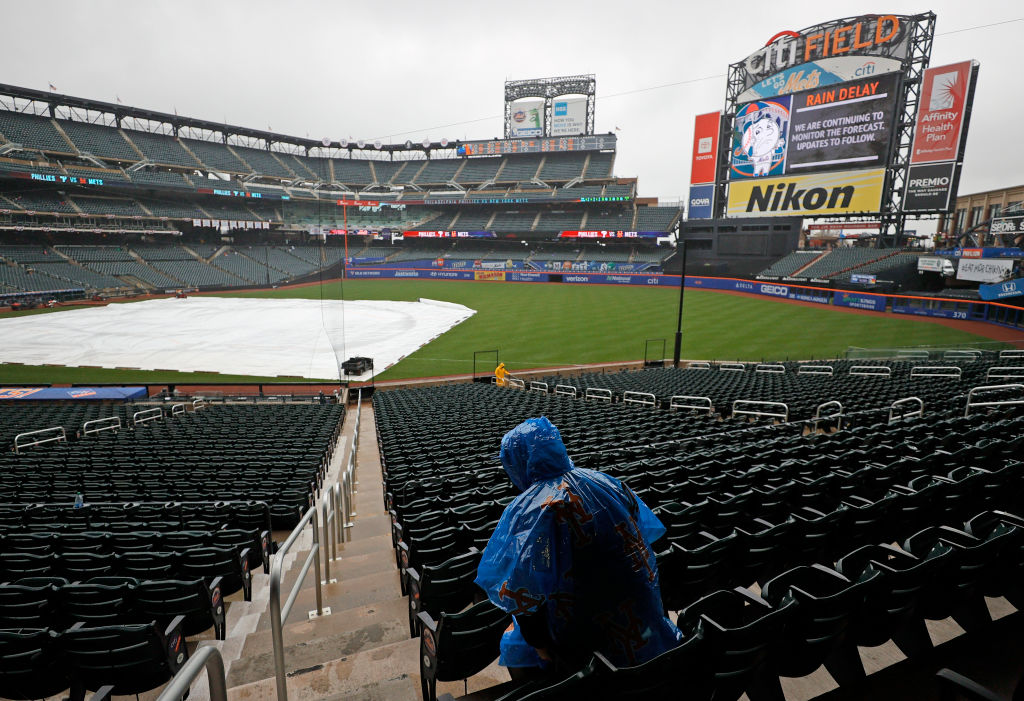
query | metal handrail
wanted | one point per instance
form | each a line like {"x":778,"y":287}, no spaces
{"x":598,"y":393}
{"x":208,"y":658}
{"x":198,"y":403}
{"x":700,"y":365}
{"x":772,"y":368}
{"x":733,"y":367}
{"x":752,"y":402}
{"x":141,"y":417}
{"x":109,"y":423}
{"x":934,"y":371}
{"x":177,"y":409}
{"x":61,"y":437}
{"x":1010,"y":372}
{"x":279,"y":613}
{"x":516,"y":382}
{"x":816,"y":370}
{"x":1004,"y":402}
{"x":537,"y":386}
{"x":1011,"y":353}
{"x":567,"y":390}
{"x":971,"y":355}
{"x":909,"y":354}
{"x":878,"y":370}
{"x":705,"y":405}
{"x":837,"y":415}
{"x":644,"y":398}
{"x":907,"y":400}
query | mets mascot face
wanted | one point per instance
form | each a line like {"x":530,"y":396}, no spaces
{"x":762,"y":136}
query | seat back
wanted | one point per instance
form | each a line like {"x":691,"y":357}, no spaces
{"x":459,"y":645}
{"x":31,"y":668}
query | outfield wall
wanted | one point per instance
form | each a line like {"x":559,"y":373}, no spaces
{"x":941,"y":307}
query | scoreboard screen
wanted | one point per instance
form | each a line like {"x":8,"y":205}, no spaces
{"x":560,"y":144}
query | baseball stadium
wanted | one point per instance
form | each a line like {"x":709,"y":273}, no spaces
{"x":271,"y":406}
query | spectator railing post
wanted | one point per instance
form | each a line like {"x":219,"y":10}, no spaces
{"x":207,"y":658}
{"x":279,"y":612}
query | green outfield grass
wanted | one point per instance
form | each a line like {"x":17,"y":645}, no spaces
{"x":538,"y":325}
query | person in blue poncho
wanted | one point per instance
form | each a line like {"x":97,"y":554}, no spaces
{"x":571,"y":560}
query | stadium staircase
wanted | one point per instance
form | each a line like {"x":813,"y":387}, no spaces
{"x":362,"y":650}
{"x":60,"y":130}
{"x":799,"y":271}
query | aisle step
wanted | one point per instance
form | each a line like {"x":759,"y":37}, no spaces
{"x":309,"y":643}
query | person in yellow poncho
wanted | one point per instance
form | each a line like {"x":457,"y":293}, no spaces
{"x":501,"y":375}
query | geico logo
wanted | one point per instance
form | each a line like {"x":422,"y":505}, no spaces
{"x":929,"y":182}
{"x":700,"y":202}
{"x":780,"y":290}
{"x":782,"y":197}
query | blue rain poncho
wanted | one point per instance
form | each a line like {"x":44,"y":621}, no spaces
{"x":572,"y":554}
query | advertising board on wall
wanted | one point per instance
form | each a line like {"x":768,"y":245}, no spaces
{"x":568,"y":116}
{"x":985,"y":269}
{"x":929,"y":187}
{"x":837,"y":192}
{"x":705,"y":148}
{"x":940,"y":117}
{"x":527,"y":117}
{"x":701,"y":202}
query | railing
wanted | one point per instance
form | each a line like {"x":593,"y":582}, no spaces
{"x":698,"y":366}
{"x":877,"y":370}
{"x":908,"y":414}
{"x":110,"y":423}
{"x":539,"y":386}
{"x":177,"y":409}
{"x":1011,"y":353}
{"x":733,"y":367}
{"x":567,"y":390}
{"x":60,"y":437}
{"x":970,"y":355}
{"x":198,"y":403}
{"x":757,"y":412}
{"x":1007,"y":372}
{"x":936,"y":371}
{"x":772,"y":368}
{"x":645,"y":398}
{"x":1004,"y":402}
{"x":681,"y":401}
{"x":208,"y":658}
{"x":279,"y":613}
{"x":141,"y":417}
{"x":816,"y":370}
{"x":838,"y":415}
{"x":913,"y":355}
{"x":516,"y":382}
{"x":598,"y":393}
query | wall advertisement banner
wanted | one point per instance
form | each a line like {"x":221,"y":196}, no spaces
{"x":842,"y":298}
{"x":984,"y":270}
{"x":489,"y":275}
{"x":1008,"y":225}
{"x":929,"y":187}
{"x":940,"y":117}
{"x":905,"y":307}
{"x":528,"y":117}
{"x":705,"y":148}
{"x":1002,"y":290}
{"x":568,"y":116}
{"x":701,"y":202}
{"x":818,"y":74}
{"x":838,"y":192}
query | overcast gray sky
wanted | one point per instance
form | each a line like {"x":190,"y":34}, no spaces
{"x":397,"y":70}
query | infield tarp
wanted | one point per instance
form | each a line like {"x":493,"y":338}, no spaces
{"x":238,"y":336}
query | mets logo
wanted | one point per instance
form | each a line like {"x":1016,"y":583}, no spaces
{"x":519,"y":116}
